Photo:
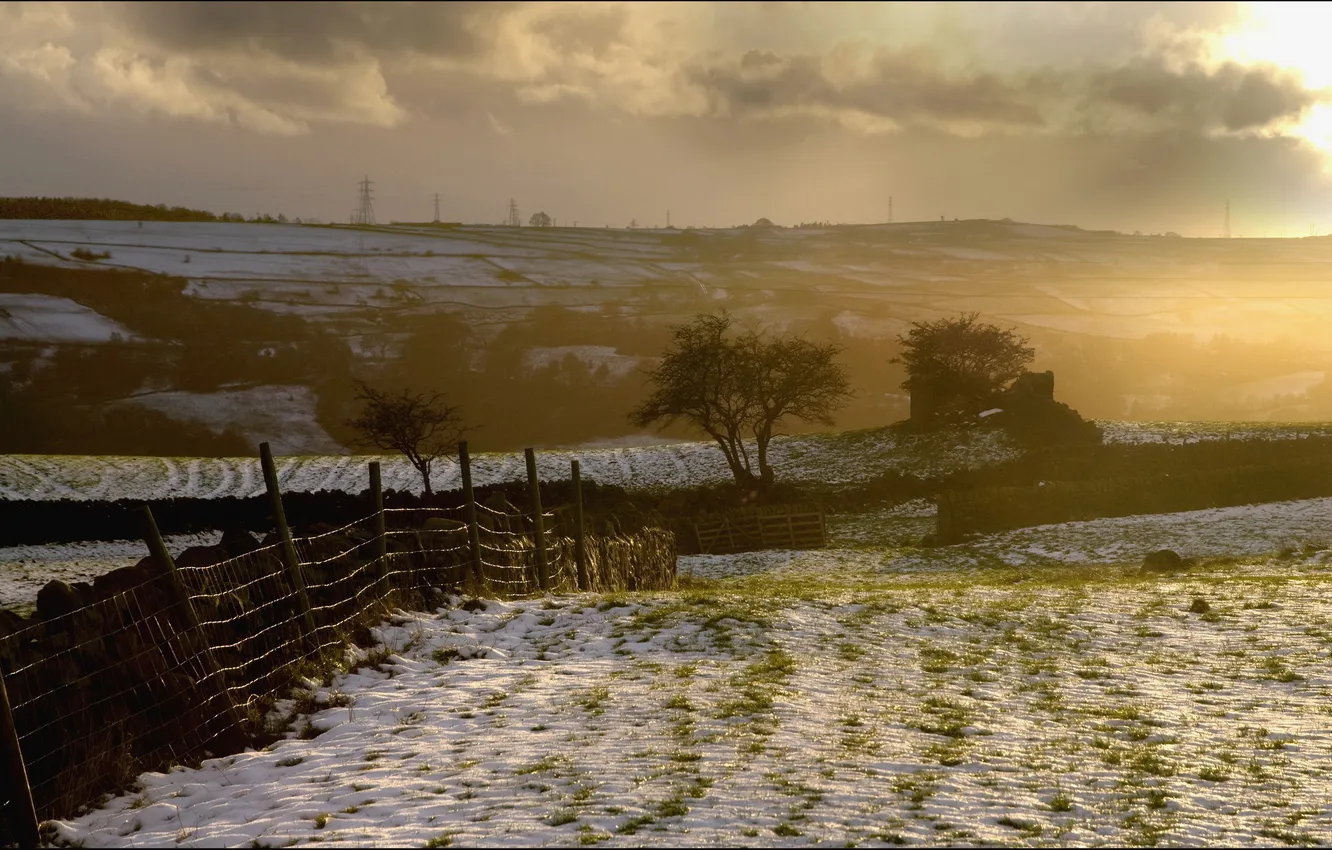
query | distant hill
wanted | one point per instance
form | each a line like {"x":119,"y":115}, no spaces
{"x":106,"y":209}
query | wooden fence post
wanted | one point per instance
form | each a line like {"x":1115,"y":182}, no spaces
{"x":580,"y":548}
{"x":381,"y":529}
{"x":538,"y":524}
{"x":157,"y":546}
{"x":473,"y":531}
{"x":20,"y":811}
{"x":289,"y":557}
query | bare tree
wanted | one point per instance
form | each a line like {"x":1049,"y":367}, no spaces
{"x":739,"y":390}
{"x":423,"y":427}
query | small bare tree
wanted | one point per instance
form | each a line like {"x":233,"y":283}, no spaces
{"x":421,"y":426}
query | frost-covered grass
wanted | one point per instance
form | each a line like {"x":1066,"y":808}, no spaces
{"x":1192,"y":432}
{"x":874,"y":707}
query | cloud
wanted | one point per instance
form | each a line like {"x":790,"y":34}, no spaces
{"x":285,"y":67}
{"x":94,"y":58}
{"x":913,"y":89}
{"x":314,"y":32}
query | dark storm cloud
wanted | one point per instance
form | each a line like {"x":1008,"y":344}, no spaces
{"x":910,"y":88}
{"x":314,"y":31}
{"x":1231,"y":96}
{"x":901,"y":87}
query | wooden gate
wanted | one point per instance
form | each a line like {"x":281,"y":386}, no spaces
{"x":750,"y":529}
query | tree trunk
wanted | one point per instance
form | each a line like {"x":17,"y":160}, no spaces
{"x":727,"y":445}
{"x":424,"y":468}
{"x":766,"y":475}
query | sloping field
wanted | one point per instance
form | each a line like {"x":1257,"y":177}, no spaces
{"x":828,"y":458}
{"x":1040,"y":277}
{"x":866,"y":707}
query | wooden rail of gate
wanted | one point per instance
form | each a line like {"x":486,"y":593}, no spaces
{"x":771,"y":527}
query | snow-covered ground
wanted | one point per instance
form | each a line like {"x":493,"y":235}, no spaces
{"x":828,"y":458}
{"x":1065,"y":707}
{"x":283,"y":416}
{"x":834,"y":458}
{"x":33,"y":318}
{"x":24,"y":569}
{"x":914,"y":271}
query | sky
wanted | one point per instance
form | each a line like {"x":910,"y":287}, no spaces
{"x":1125,"y":116}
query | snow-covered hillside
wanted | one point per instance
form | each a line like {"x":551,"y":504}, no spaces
{"x":1036,"y":276}
{"x":366,"y":285}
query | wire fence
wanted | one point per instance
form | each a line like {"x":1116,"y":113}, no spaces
{"x":176,"y":663}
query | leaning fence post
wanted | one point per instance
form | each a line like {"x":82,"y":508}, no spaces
{"x":538,"y":524}
{"x":473,"y":531}
{"x":381,"y":530}
{"x":289,"y":558}
{"x":580,"y":550}
{"x":157,"y":546}
{"x":22,"y":814}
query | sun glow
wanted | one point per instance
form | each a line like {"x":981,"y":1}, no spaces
{"x":1292,"y":36}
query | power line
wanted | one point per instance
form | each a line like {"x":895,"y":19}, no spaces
{"x":436,"y":219}
{"x":365,"y":211}
{"x":515,"y":220}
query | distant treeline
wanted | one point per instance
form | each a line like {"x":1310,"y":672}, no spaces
{"x":106,"y":209}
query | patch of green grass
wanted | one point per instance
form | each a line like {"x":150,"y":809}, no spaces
{"x":549,"y":762}
{"x":942,"y":716}
{"x":936,"y":660}
{"x":1028,"y":829}
{"x":592,"y":700}
{"x":1213,"y":774}
{"x":850,"y":651}
{"x":563,"y":816}
{"x":445,"y":654}
{"x":634,"y":824}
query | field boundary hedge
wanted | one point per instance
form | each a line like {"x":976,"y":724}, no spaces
{"x":985,"y":510}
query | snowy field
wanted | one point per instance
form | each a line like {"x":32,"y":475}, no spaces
{"x":1124,"y":287}
{"x":828,"y":458}
{"x":870,"y":706}
{"x":24,"y":569}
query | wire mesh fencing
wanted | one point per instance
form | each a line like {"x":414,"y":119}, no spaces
{"x":163,"y":664}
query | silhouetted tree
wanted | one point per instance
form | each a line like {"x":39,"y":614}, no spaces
{"x":422,"y":427}
{"x":539,"y":219}
{"x":959,"y":361}
{"x":739,"y":389}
